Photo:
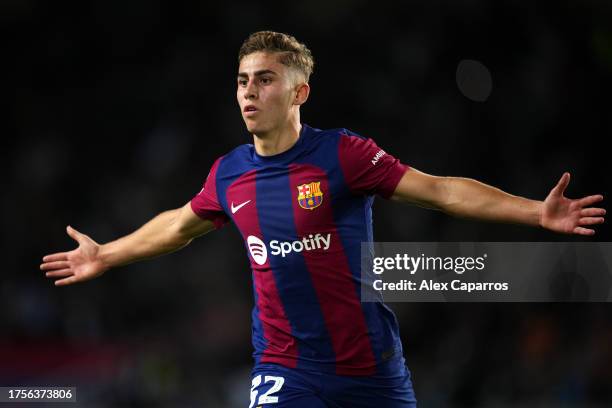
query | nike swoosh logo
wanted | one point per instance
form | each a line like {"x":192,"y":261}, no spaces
{"x":235,"y":209}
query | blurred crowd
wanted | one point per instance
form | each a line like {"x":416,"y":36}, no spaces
{"x":117,"y":111}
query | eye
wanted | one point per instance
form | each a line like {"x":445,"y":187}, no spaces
{"x":265,"y":80}
{"x":242,"y":82}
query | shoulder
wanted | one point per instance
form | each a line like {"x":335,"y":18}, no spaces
{"x":350,"y":135}
{"x":335,"y":136}
{"x":237,"y":158}
{"x":341,"y":143}
{"x":228,"y":165}
{"x":353,"y":142}
{"x":333,"y":132}
{"x":240,"y":152}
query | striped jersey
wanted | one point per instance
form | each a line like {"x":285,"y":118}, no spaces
{"x":303,"y":215}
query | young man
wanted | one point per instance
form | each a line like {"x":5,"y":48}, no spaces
{"x":301,"y":198}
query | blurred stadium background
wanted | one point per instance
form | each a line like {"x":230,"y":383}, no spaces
{"x":117,"y":110}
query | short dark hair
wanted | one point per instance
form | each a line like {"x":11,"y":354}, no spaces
{"x":292,"y":53}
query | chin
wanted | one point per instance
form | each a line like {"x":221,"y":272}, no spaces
{"x":254,"y":128}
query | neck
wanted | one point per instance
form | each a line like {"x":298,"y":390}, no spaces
{"x":279,"y":139}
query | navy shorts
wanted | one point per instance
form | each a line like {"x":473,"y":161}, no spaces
{"x":276,"y":386}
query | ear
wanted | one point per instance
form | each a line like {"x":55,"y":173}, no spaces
{"x":301,"y":93}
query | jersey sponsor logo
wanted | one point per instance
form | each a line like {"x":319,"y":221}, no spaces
{"x":309,"y":243}
{"x":239,"y":206}
{"x":310,"y":195}
{"x":259,"y":251}
{"x":378,"y":155}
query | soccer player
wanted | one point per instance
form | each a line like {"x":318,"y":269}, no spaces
{"x":301,"y":198}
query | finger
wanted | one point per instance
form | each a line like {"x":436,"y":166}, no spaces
{"x":591,"y":220}
{"x":562,"y":184}
{"x":583,"y":231}
{"x":54,"y":265}
{"x":59,"y":274}
{"x":586,"y":201}
{"x":66,"y":281}
{"x":74,"y":234}
{"x":60,"y":256}
{"x":592,"y":212}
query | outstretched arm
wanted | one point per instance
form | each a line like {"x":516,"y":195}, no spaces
{"x":468,"y":198}
{"x":167,"y":232}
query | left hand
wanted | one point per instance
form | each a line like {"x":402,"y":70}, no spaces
{"x":567,"y":216}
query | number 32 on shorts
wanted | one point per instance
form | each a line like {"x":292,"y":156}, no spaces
{"x":267,"y":397}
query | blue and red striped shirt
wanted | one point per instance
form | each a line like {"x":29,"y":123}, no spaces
{"x":303,"y":214}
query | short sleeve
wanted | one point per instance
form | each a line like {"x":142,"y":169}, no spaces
{"x":205,"y":204}
{"x":367,"y":168}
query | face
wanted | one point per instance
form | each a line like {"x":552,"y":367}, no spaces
{"x":268,"y":92}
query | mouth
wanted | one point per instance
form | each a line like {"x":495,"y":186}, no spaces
{"x":250,"y":110}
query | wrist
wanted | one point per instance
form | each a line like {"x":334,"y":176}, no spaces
{"x":539,"y":214}
{"x":105,"y":256}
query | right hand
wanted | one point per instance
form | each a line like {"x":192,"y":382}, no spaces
{"x":79,"y":265}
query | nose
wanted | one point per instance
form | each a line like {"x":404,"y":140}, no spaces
{"x":250,"y":91}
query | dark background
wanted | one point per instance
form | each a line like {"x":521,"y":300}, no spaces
{"x":116,"y":111}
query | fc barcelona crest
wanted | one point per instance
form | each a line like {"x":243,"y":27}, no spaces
{"x":310,"y":195}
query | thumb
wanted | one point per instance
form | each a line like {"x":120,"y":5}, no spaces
{"x":562,"y":184}
{"x":74,"y":234}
